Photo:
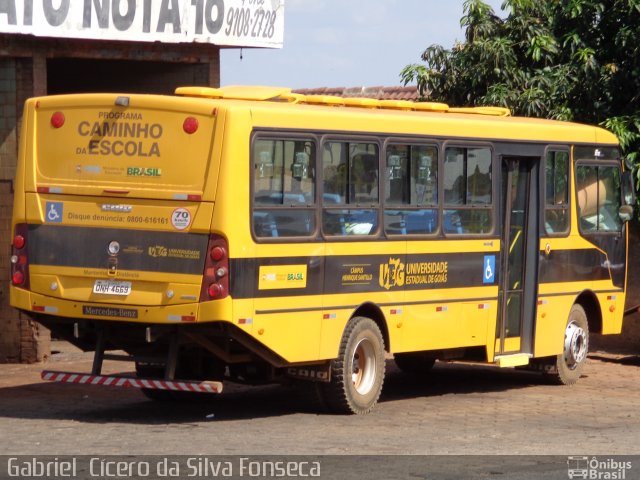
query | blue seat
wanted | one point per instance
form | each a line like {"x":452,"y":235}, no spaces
{"x":423,"y":221}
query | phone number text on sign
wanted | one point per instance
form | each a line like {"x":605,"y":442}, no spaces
{"x":247,"y":19}
{"x":245,"y":22}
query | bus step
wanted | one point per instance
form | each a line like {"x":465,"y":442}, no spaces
{"x":516,"y":360}
{"x":135,"y":382}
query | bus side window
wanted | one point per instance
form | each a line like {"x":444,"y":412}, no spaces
{"x":411,"y":189}
{"x":350,"y":188}
{"x":467,"y":191}
{"x":284,"y":188}
{"x":598,"y":198}
{"x":556,"y":213}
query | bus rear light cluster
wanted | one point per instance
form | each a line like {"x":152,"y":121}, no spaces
{"x":19,"y":257}
{"x":216,"y":291}
{"x":217,"y":253}
{"x":215,"y":279}
{"x":17,"y":278}
{"x":19,"y":242}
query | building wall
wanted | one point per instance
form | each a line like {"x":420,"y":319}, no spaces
{"x":29,"y":66}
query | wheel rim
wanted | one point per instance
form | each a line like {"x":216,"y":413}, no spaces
{"x":576,"y":344}
{"x":363,"y":367}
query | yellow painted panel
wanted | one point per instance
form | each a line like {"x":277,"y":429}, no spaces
{"x":143,"y":214}
{"x":142,"y":292}
{"x":510,"y":344}
{"x":431,"y":327}
{"x":133,"y":149}
{"x":552,"y":315}
{"x":169,"y":314}
{"x":331,"y":332}
{"x":243,"y":314}
{"x":612,"y":305}
{"x":294,"y":336}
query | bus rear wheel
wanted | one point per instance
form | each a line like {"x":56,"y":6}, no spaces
{"x":568,"y":366}
{"x":357,"y":374}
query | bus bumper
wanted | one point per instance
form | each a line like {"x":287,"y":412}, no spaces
{"x":135,"y":382}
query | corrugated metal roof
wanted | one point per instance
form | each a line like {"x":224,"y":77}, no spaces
{"x":379,"y":93}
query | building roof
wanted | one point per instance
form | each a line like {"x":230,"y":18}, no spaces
{"x":379,"y":93}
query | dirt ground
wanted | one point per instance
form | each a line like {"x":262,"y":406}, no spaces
{"x":457,"y":409}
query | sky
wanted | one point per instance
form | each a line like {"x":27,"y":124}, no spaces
{"x":348,"y":43}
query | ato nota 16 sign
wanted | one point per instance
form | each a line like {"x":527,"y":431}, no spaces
{"x":248,"y":23}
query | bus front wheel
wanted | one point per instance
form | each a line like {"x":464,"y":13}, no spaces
{"x":358,"y":372}
{"x":568,"y":366}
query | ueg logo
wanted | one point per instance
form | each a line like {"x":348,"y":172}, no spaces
{"x":597,"y":469}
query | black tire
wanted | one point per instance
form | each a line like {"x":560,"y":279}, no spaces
{"x":357,"y":374}
{"x":566,"y":368}
{"x":311,"y":396}
{"x":415,"y":363}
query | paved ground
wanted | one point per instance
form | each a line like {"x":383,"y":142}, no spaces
{"x":458,"y":409}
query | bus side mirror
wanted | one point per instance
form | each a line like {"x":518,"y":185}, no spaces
{"x":626,"y":213}
{"x":628,"y":189}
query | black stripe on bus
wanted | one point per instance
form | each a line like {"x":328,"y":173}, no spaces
{"x":393,"y":273}
{"x":574,"y":266}
{"x":364,"y":273}
{"x":142,"y":250}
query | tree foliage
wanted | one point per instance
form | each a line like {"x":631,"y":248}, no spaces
{"x":563,"y":59}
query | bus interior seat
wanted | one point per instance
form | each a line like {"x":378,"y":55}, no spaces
{"x":452,"y":223}
{"x":264,"y":224}
{"x":420,"y":222}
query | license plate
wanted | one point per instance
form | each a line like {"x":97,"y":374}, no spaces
{"x":112,"y":287}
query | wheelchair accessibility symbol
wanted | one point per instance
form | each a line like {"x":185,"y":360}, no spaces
{"x":53,"y":212}
{"x":489,"y":270}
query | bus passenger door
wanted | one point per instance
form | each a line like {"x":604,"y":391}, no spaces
{"x":519,"y":257}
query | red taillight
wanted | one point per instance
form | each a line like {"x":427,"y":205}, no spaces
{"x":20,"y":257}
{"x":57,"y":119}
{"x":215,"y":276}
{"x":216,"y":290}
{"x":17,"y":278}
{"x":18,"y":242}
{"x":217,"y":254}
{"x":190,"y":125}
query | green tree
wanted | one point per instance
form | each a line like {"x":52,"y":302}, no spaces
{"x":563,"y":59}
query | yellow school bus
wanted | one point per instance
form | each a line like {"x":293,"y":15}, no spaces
{"x":256,"y":235}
